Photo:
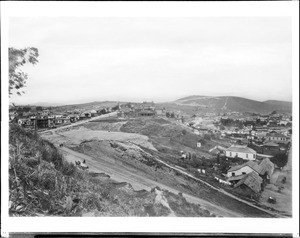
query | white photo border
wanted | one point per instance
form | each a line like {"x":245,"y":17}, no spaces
{"x":147,"y":9}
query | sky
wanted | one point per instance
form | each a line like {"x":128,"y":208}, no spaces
{"x":154,"y":59}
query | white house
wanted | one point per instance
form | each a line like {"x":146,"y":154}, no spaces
{"x":276,"y":137}
{"x":241,"y":151}
{"x":243,"y":169}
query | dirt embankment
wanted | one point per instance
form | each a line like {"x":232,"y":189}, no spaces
{"x":168,"y":137}
{"x":137,"y":161}
{"x":123,"y":151}
{"x":43,"y":183}
{"x":74,"y":137}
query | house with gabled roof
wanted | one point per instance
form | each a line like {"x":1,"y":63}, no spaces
{"x":217,"y":150}
{"x":243,"y":169}
{"x":266,"y":167}
{"x":241,"y":151}
{"x":250,"y":184}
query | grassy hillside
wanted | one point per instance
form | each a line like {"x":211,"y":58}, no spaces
{"x":42,"y":183}
{"x":223,"y":104}
{"x":86,"y":106}
{"x":279,"y":103}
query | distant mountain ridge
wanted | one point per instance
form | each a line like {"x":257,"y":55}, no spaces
{"x":230,"y":103}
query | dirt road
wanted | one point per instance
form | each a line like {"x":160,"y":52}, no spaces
{"x":120,"y":173}
{"x":217,"y":189}
{"x":282,"y":192}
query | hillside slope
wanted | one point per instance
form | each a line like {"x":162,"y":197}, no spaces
{"x":239,"y":104}
{"x":42,"y":183}
{"x":86,"y":106}
{"x":279,"y":103}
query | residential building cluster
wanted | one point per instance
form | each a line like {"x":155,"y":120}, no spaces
{"x":41,"y":117}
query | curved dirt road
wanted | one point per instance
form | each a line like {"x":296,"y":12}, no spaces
{"x":120,"y":173}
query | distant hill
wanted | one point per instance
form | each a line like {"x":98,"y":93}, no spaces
{"x":87,"y":106}
{"x":229,"y":103}
{"x":46,"y":104}
{"x":279,"y":103}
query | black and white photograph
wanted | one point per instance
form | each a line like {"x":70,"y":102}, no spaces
{"x":121,"y":116}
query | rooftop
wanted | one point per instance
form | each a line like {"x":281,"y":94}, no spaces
{"x":274,"y":134}
{"x":240,"y":148}
{"x":250,"y":163}
{"x":251,"y":180}
{"x":266,"y":166}
{"x":271,"y":144}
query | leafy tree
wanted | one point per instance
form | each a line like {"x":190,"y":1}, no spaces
{"x":280,"y":159}
{"x":115,"y":108}
{"x":103,"y":111}
{"x":273,"y":113}
{"x":18,"y":58}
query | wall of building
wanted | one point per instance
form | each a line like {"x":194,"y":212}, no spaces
{"x":245,"y":170}
{"x":245,"y":156}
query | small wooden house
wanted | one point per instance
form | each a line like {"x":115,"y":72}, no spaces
{"x":249,"y":185}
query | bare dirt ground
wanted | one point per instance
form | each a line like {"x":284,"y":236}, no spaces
{"x":121,"y":173}
{"x":76,"y":136}
{"x":118,"y":154}
{"x":282,"y":192}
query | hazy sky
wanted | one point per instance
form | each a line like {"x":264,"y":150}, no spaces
{"x":160,"y":59}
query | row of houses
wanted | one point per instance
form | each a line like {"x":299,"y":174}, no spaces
{"x":52,"y":120}
{"x":249,"y":152}
{"x":46,"y":121}
{"x":145,"y":109}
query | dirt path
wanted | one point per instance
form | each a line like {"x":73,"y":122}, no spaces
{"x":121,"y":173}
{"x":283,"y":196}
{"x":219,"y":190}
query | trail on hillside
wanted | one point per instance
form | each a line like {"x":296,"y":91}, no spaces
{"x":138,"y":182}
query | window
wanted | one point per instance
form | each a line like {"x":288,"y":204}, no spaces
{"x":247,"y":156}
{"x":233,"y":174}
{"x":253,"y":156}
{"x":243,"y":172}
{"x":230,"y":154}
